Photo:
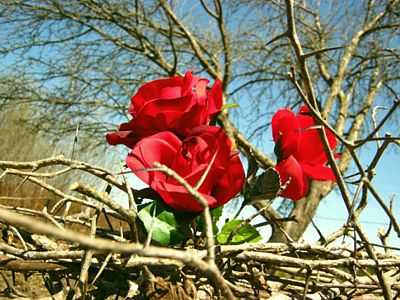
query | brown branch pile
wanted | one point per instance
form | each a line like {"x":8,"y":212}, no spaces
{"x":79,"y":256}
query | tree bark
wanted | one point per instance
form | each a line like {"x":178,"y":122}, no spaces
{"x":304,"y":211}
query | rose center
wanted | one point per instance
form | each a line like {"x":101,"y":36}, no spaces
{"x":190,"y":148}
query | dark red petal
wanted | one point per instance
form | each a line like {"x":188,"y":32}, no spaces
{"x":311,"y":150}
{"x":187,"y":161}
{"x":212,"y":134}
{"x":321,"y":159}
{"x":178,"y":197}
{"x":207,"y":184}
{"x":216,"y":138}
{"x":215,"y":98}
{"x":285,"y":130}
{"x":188,"y":120}
{"x":318,"y":172}
{"x":160,"y":115}
{"x":189,"y":81}
{"x":159,"y":105}
{"x":161,"y":147}
{"x":130,"y":133}
{"x":230,"y":180}
{"x":121,"y":137}
{"x":167,"y":88}
{"x":200,"y":92}
{"x":298,"y":186}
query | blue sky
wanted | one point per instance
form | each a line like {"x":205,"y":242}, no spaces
{"x":332,"y":213}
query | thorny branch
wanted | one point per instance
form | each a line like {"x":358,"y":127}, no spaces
{"x":325,"y":262}
{"x":310,"y":100}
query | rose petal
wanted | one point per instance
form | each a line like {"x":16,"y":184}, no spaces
{"x":190,"y":159}
{"x":174,"y":104}
{"x":161,"y":147}
{"x":189,"y":81}
{"x":230,"y":181}
{"x":121,"y":137}
{"x":285,"y":130}
{"x":298,"y":186}
{"x":200,"y":92}
{"x":311,"y":149}
{"x":168,"y":88}
{"x":215,"y":98}
{"x":318,"y":172}
{"x":177,"y":197}
{"x":216,"y":138}
{"x":187,"y":160}
{"x":156,"y":106}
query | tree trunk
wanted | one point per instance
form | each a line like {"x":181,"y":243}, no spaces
{"x":304,"y":211}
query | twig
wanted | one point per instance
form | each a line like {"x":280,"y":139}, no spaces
{"x":310,"y":263}
{"x":387,"y":210}
{"x":132,"y":207}
{"x":243,"y":223}
{"x":321,"y":236}
{"x":106,"y":246}
{"x":307,"y":283}
{"x":103,"y":266}
{"x":276,"y":38}
{"x":312,"y":104}
{"x":150,"y":230}
{"x":203,"y":202}
{"x":75,"y":142}
{"x":319,"y":51}
{"x":102,"y":173}
{"x":245,"y":146}
{"x":87,"y":260}
{"x":395,"y":105}
{"x":15,"y":230}
{"x":49,"y":217}
{"x":12,"y":291}
{"x":104,"y":198}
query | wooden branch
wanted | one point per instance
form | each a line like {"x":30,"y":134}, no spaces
{"x":203,"y":202}
{"x":99,"y":172}
{"x":19,"y":265}
{"x":361,"y":142}
{"x":192,"y":40}
{"x":245,"y":146}
{"x":312,"y":264}
{"x":311,"y":103}
{"x":106,"y":246}
{"x":104,"y":198}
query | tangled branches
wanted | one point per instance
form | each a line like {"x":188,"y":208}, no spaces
{"x":80,"y":257}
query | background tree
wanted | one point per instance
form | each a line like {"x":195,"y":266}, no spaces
{"x":80,"y":61}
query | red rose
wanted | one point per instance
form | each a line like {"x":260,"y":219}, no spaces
{"x":298,"y":186}
{"x":300,"y":151}
{"x":174,"y":104}
{"x":190,"y":158}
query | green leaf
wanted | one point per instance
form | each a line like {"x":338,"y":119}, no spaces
{"x":168,"y":226}
{"x":229,"y":105}
{"x":246,"y":234}
{"x":215,"y":215}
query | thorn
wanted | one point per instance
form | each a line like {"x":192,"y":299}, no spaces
{"x":278,"y":37}
{"x":75,"y":142}
{"x":316,"y":52}
{"x":321,"y":236}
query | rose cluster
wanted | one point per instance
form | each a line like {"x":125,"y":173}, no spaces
{"x":300,"y":152}
{"x":170,"y":125}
